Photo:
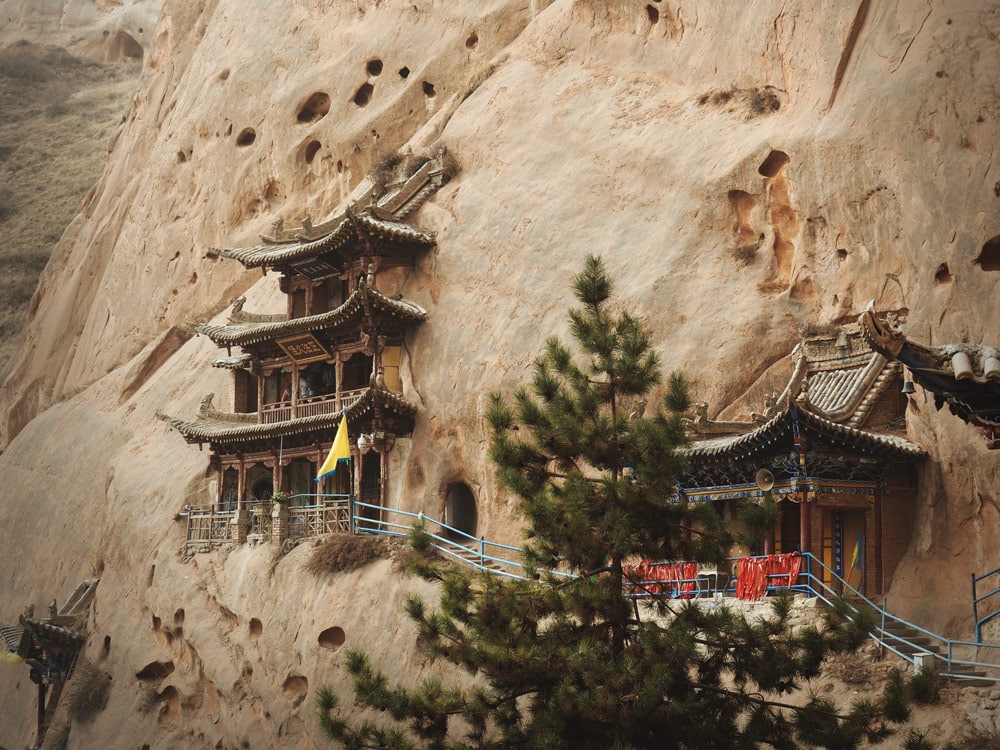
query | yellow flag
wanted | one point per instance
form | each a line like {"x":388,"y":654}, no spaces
{"x":10,"y":658}
{"x":339,"y":451}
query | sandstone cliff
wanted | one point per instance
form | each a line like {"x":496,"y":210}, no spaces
{"x":746,"y":174}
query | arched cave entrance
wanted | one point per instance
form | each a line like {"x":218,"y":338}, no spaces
{"x":460,"y":508}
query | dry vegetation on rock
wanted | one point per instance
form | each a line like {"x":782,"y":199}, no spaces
{"x":340,"y":553}
{"x":56,"y":112}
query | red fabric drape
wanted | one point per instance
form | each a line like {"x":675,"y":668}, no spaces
{"x":658,"y":578}
{"x":755,"y":573}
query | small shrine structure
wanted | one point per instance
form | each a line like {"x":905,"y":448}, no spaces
{"x":831,"y":448}
{"x":50,"y":647}
{"x":966,"y":377}
{"x":337,"y":350}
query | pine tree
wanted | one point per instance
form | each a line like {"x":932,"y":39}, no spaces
{"x":569,"y":661}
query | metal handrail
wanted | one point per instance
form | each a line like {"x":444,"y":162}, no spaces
{"x":977,"y":621}
{"x":447,"y":543}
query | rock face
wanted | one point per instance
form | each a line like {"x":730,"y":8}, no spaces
{"x":108,"y":30}
{"x":746,"y":173}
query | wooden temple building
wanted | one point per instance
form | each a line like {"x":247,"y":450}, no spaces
{"x":832,"y":450}
{"x":966,"y":377}
{"x":50,"y":647}
{"x":336,"y":351}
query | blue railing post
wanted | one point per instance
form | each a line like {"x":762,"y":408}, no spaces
{"x":482,"y":552}
{"x":350,"y":511}
{"x":975,"y":611}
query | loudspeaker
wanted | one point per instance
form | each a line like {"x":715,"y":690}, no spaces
{"x":764,"y":479}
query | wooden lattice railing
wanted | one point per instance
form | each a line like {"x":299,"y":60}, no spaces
{"x":310,"y":407}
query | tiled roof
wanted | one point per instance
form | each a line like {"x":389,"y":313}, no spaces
{"x":10,"y":637}
{"x":243,"y":334}
{"x":728,"y":446}
{"x":215,"y":430}
{"x":346,"y":230}
{"x":232,"y":363}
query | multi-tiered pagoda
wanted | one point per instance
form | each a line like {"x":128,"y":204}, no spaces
{"x":336,"y":350}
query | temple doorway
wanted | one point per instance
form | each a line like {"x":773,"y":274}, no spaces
{"x":789,"y":532}
{"x":843,"y":545}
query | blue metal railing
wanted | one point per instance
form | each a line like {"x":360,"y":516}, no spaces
{"x":479,"y":552}
{"x":976,"y":619}
{"x":815,"y":579}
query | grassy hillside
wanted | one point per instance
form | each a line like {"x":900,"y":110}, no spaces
{"x":56,"y":112}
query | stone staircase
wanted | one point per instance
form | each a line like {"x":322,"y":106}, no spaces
{"x":471,"y":556}
{"x":910,"y":641}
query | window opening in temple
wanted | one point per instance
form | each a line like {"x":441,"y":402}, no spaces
{"x":260,"y":481}
{"x":371,"y":487}
{"x":245,"y":387}
{"x":300,"y":475}
{"x":230,"y":486}
{"x":299,"y":303}
{"x":336,"y":292}
{"x":278,"y":387}
{"x":317,"y":379}
{"x":319,"y":302}
{"x":357,"y":372}
{"x":460,"y":508}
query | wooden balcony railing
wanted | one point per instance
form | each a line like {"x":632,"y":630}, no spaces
{"x":207,"y":528}
{"x":309,"y":407}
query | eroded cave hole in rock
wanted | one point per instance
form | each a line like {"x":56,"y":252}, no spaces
{"x":107,"y":645}
{"x":274,"y":193}
{"x":315,"y":108}
{"x":123,"y":45}
{"x":943,"y":275}
{"x":989,"y":258}
{"x":312,"y":148}
{"x":773,"y":164}
{"x":652,"y":13}
{"x":743,"y":204}
{"x":429,"y":91}
{"x":155,"y":671}
{"x":363,"y":95}
{"x":256,"y":628}
{"x":179,"y":616}
{"x":404,"y":72}
{"x":246,"y":137}
{"x":841,"y":253}
{"x":332,"y":638}
{"x":171,"y":708}
{"x":223,"y":75}
{"x":156,"y":623}
{"x":472,"y":41}
{"x":296,"y":686}
{"x":149,"y":575}
{"x":374,"y":67}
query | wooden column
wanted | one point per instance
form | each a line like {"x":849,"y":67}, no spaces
{"x":805,"y":526}
{"x":869,"y":560}
{"x":241,"y":480}
{"x":339,"y":368}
